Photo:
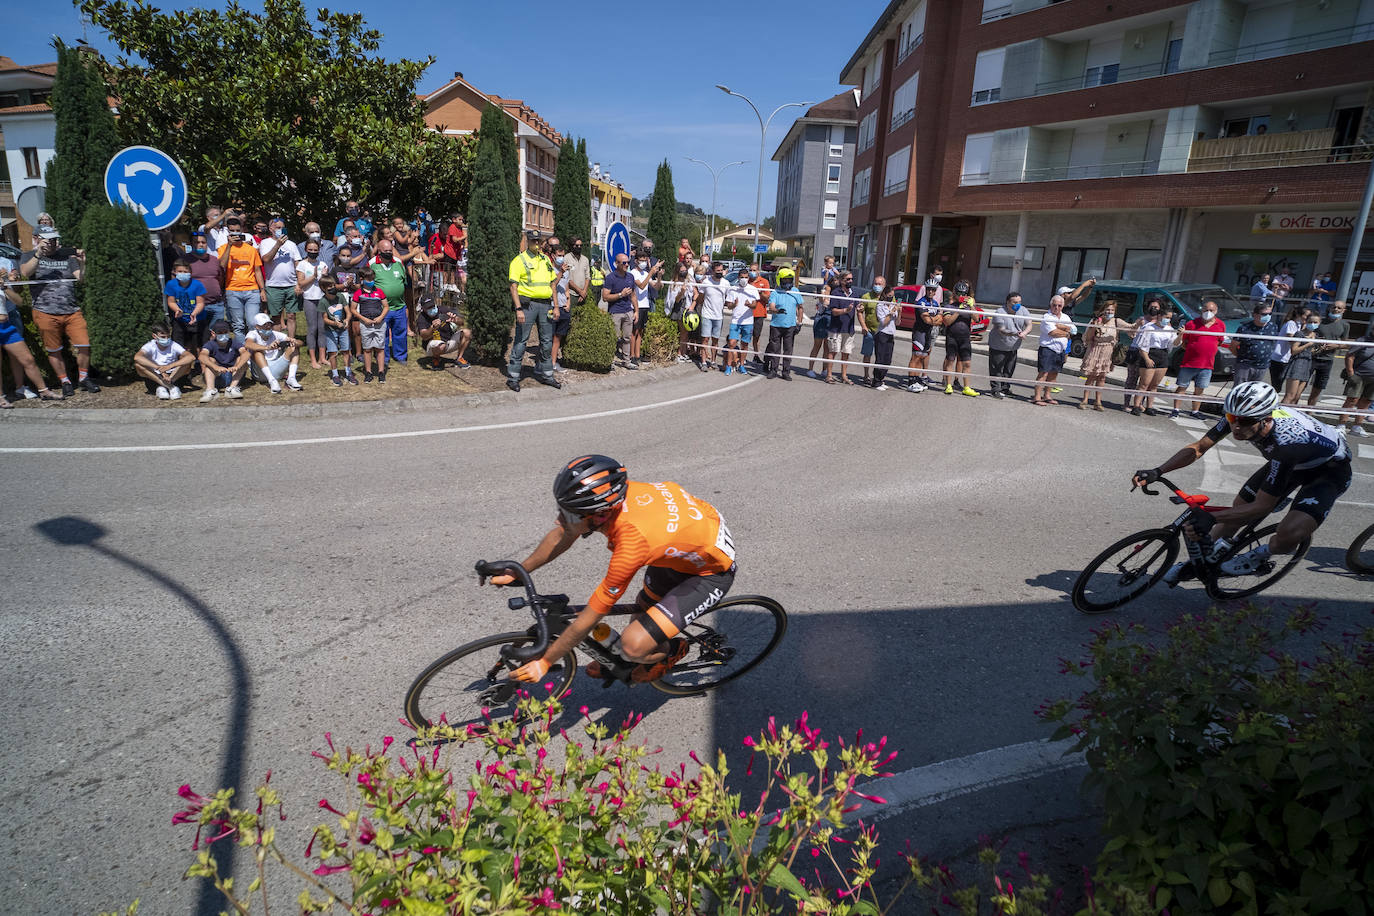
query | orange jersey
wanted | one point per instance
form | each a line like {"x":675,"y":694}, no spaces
{"x":661,"y":524}
{"x":761,"y":307}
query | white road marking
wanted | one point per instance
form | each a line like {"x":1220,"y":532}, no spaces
{"x":938,"y":782}
{"x":516,"y":424}
{"x":1365,"y":451}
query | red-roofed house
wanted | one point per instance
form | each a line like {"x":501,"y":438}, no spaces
{"x":28,"y":134}
{"x":456,"y":108}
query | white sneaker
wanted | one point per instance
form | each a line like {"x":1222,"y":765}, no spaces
{"x":916,"y":388}
{"x":208,"y":396}
{"x":174,"y":393}
{"x":293,"y":384}
{"x":274,"y":386}
{"x":233,"y":392}
{"x":28,"y":393}
{"x":882,"y":387}
{"x":1178,"y":572}
{"x":1356,"y":430}
{"x":1246,"y":563}
{"x":163,"y":394}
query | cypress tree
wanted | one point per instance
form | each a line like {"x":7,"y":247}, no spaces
{"x":584,"y":188}
{"x":496,"y":128}
{"x":85,"y":142}
{"x":492,"y":242}
{"x":663,"y":212}
{"x":122,"y":298}
{"x":566,"y":198}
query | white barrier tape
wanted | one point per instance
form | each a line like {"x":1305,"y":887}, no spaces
{"x":990,"y":313}
{"x":932,"y":371}
{"x":9,"y":283}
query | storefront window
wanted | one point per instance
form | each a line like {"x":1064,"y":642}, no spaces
{"x":1142,"y":264}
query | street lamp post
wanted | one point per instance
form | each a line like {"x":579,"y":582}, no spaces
{"x":763,"y":139}
{"x":715,"y":184}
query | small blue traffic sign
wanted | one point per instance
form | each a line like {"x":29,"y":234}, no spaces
{"x":617,"y":242}
{"x":760,"y":248}
{"x":148,"y":180}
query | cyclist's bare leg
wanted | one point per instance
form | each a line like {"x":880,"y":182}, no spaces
{"x":1295,"y":527}
{"x":637,"y":645}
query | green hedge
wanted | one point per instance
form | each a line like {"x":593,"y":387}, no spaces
{"x":660,"y":337}
{"x":591,"y":339}
{"x":120,"y":288}
{"x":1236,"y":777}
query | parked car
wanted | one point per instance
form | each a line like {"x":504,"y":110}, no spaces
{"x":1186,"y":298}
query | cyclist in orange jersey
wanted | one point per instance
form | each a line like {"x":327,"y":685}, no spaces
{"x":681,"y":542}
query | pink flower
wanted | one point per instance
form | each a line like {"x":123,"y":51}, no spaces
{"x":331,"y":869}
{"x":324,"y":803}
{"x":748,"y":740}
{"x":386,"y":743}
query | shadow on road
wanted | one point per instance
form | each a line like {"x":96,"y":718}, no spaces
{"x":69,"y":531}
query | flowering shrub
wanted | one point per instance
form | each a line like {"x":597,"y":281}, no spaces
{"x":1236,"y":778}
{"x":546,"y":820}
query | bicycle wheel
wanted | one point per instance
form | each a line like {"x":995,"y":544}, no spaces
{"x":457,"y":687}
{"x":1223,"y":587}
{"x":726,"y":641}
{"x":1125,"y":570}
{"x":1360,"y":557}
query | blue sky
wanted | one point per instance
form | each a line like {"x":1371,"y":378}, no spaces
{"x":642,"y":99}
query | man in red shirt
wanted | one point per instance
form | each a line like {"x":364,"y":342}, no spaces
{"x":455,"y":238}
{"x":759,"y":282}
{"x":1199,"y":355}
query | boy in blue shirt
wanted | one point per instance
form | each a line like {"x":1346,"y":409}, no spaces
{"x":186,"y":303}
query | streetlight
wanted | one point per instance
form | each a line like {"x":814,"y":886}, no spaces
{"x":763,"y":138}
{"x":715,"y":183}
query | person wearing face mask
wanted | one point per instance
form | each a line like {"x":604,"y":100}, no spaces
{"x":186,"y":303}
{"x":204,"y":265}
{"x":711,"y":306}
{"x":866,"y":318}
{"x":271,"y":354}
{"x":279,"y":258}
{"x":1293,"y":322}
{"x":742,"y":300}
{"x":681,"y":299}
{"x":531,"y":277}
{"x":647,"y":274}
{"x":309,"y":271}
{"x":161,"y":362}
{"x":223,"y":361}
{"x":13,"y":345}
{"x":328,"y":249}
{"x":442,"y":334}
{"x":760,"y":283}
{"x":1299,"y":369}
{"x":1251,"y":349}
{"x":245,"y":291}
{"x":1334,"y":329}
{"x":1009,"y":326}
{"x":1199,"y":356}
{"x":369,"y":315}
{"x":579,"y":273}
{"x":334,"y":316}
{"x":390,"y":276}
{"x":840,"y":343}
{"x":1153,"y":342}
{"x":355,"y":214}
{"x":785,"y":309}
{"x":1358,"y":374}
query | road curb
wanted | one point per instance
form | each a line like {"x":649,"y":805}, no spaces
{"x":531,"y":390}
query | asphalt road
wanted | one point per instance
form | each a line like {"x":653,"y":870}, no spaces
{"x":199,"y":615}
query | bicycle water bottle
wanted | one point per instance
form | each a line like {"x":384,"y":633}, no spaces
{"x":607,"y":638}
{"x":1199,"y":550}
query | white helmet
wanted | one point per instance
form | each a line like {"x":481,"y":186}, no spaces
{"x":1252,"y":399}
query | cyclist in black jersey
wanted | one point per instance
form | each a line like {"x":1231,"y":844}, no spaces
{"x":958,"y":341}
{"x":1302,"y":453}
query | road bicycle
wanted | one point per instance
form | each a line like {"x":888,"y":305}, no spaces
{"x":471,"y":684}
{"x":1359,"y":557}
{"x":1131,"y":566}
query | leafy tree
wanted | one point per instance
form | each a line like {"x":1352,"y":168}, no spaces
{"x":770,"y":224}
{"x":85,"y":141}
{"x":663,"y":212}
{"x":275,"y":111}
{"x":122,"y":296}
{"x":566,"y":197}
{"x":492,"y":242}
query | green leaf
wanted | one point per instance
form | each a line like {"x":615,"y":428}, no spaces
{"x":784,"y":880}
{"x":1218,"y":891}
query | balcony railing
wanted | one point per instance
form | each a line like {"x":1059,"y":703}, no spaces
{"x":1267,"y":151}
{"x":912,"y":45}
{"x":1293,"y":44}
{"x":895,"y":188}
{"x":1104,"y":77}
{"x":1068,"y":172}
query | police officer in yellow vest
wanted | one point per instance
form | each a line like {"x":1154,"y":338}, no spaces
{"x":532,"y":275}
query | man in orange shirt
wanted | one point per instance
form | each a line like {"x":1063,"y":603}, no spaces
{"x":680,"y":541}
{"x":759,"y":282}
{"x":245,"y":287}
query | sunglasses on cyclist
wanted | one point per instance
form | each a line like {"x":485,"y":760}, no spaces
{"x":1243,"y":421}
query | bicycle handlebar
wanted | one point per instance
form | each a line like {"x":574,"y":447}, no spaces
{"x":532,"y":600}
{"x":1145,"y":488}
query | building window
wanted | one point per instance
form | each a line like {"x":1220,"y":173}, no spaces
{"x":873,"y":72}
{"x":1078,"y":264}
{"x":977,"y":159}
{"x":837,"y":151}
{"x":832,"y":210}
{"x":895,"y":172}
{"x":862,"y":179}
{"x":1141,"y":264}
{"x":832,"y":179}
{"x":913,"y":32}
{"x":904,"y":102}
{"x":1173,"y":55}
{"x":1005,"y":256}
{"x":987,"y":76}
{"x":32,"y":167}
{"x":868,"y":127}
{"x":1100,"y":76}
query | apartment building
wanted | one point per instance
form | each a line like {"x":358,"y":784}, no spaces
{"x":456,"y":108}
{"x":1207,"y":141}
{"x":610,"y":204}
{"x":815,"y":177}
{"x":28,"y":134}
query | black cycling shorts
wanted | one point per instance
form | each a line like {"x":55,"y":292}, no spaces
{"x":673,"y":599}
{"x":958,"y":347}
{"x":1318,"y":488}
